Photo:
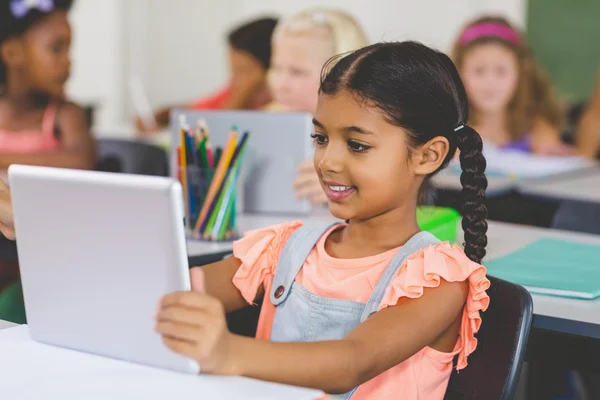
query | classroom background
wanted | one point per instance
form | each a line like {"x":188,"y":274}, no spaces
{"x":177,"y":50}
{"x":562,"y":36}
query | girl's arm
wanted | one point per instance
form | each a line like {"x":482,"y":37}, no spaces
{"x":7,"y":223}
{"x":216,"y":280}
{"x":77,"y":145}
{"x":588,"y":132}
{"x":193,"y":325}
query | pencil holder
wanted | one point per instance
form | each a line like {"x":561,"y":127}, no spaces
{"x":212,"y":202}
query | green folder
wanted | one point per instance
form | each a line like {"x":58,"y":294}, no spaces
{"x":439,"y":221}
{"x":552,"y":267}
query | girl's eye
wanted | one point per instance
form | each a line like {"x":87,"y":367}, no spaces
{"x":318,"y":138}
{"x":57,"y":47}
{"x":357,"y":147}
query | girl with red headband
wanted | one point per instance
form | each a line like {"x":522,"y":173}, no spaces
{"x":510,"y":97}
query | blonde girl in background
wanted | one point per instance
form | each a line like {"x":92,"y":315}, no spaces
{"x":511,"y":98}
{"x":302,"y":43}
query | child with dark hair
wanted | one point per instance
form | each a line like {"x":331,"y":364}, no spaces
{"x":249,"y":60}
{"x":372,"y":308}
{"x":38,"y":125}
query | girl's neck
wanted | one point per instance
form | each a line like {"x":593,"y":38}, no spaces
{"x":492,"y":126}
{"x":383,"y":232}
{"x":22,"y":97}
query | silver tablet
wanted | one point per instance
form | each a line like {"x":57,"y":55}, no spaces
{"x":97,"y":251}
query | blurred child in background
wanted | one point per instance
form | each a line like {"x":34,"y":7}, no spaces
{"x":249,"y":61}
{"x":588,"y":132}
{"x":302,"y":43}
{"x":510,"y":96}
{"x":38,"y":125}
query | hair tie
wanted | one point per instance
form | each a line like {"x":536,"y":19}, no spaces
{"x":489,"y":29}
{"x":459,"y":127}
{"x":20,"y":8}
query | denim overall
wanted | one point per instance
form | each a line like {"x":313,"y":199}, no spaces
{"x":302,"y":316}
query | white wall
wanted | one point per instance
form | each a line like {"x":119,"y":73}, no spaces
{"x":178,"y":47}
{"x":433,"y":22}
{"x":98,"y":57}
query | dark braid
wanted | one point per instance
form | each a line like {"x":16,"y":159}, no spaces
{"x":420,"y":90}
{"x":474,"y":184}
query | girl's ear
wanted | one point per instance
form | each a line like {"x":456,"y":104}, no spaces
{"x":430,"y":156}
{"x":11,"y":52}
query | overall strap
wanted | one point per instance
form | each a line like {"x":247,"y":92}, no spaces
{"x":292,"y":258}
{"x":416,"y":243}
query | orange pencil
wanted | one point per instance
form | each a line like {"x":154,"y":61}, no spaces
{"x":218,"y":177}
{"x":183,"y":175}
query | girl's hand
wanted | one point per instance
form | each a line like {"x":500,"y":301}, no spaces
{"x":7,"y":226}
{"x":193,"y":324}
{"x":307,"y":184}
{"x":143,"y":129}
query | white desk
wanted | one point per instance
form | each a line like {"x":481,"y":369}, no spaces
{"x":450,"y":180}
{"x":582,"y":185}
{"x":6,"y":324}
{"x":564,"y":315}
{"x":32,"y":370}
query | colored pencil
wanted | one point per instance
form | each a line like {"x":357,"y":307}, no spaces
{"x":216,"y":181}
{"x":183,"y":172}
{"x":218,"y":155}
{"x":206,"y":228}
{"x":222,"y":223}
{"x":209,"y":155}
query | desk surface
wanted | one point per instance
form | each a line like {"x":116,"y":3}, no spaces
{"x":84,"y":376}
{"x":506,"y":238}
{"x":6,"y":324}
{"x":583,"y":185}
{"x":450,"y":180}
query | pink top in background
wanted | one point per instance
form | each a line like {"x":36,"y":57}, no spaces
{"x":423,"y":376}
{"x":33,"y":140}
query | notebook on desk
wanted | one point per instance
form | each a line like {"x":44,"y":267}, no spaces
{"x":552,"y":267}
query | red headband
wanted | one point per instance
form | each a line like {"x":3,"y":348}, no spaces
{"x":489,"y":29}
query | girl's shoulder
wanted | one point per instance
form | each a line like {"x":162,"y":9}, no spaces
{"x":259,"y":251}
{"x":68,"y":110}
{"x":428,"y":268}
{"x":269,"y":240}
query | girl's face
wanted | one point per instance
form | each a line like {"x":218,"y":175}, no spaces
{"x":490,"y":73}
{"x":362,"y":161}
{"x":46,"y":62}
{"x":296,"y":65}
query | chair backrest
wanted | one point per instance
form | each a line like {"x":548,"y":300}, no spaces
{"x":495,"y":365}
{"x":115,"y":155}
{"x":579,"y":216}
